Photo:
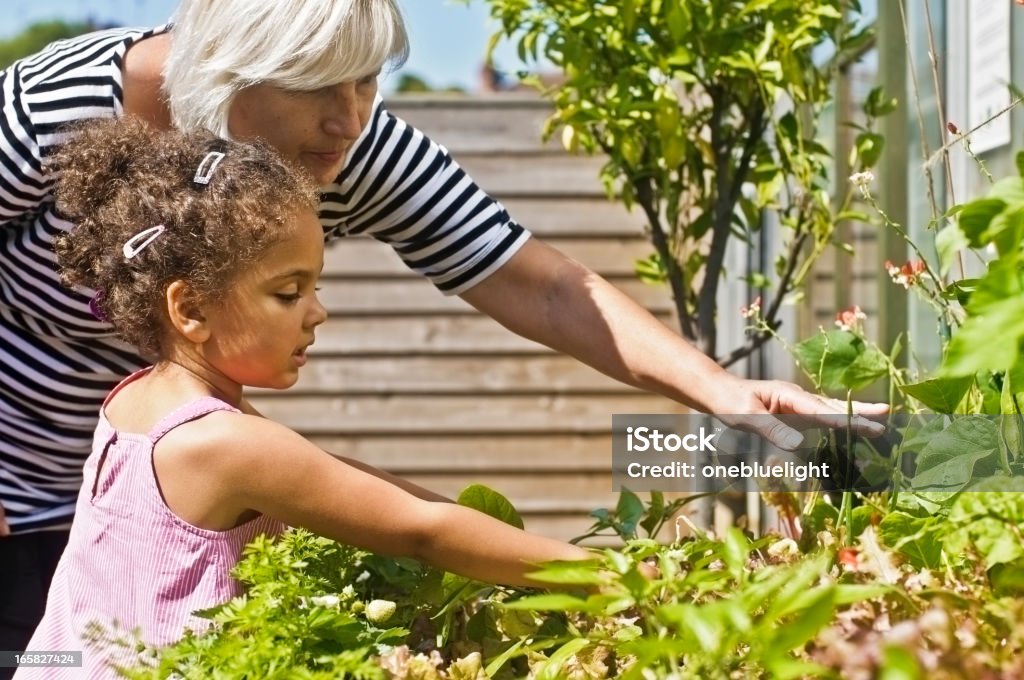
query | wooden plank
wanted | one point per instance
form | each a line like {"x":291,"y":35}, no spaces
{"x":407,"y":453}
{"x":513,"y":414}
{"x":423,"y":335}
{"x":419,"y":296}
{"x":495,"y":125}
{"x":555,"y":373}
{"x":365,"y":257}
{"x":537,"y":173}
{"x":418,"y":335}
{"x":570,"y":216}
{"x":528,"y":492}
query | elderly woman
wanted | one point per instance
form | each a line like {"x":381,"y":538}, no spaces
{"x":302,"y":75}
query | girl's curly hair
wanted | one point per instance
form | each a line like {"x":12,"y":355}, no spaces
{"x":118,"y":177}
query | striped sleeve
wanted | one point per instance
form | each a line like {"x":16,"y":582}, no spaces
{"x":23,"y":182}
{"x":404,"y":189}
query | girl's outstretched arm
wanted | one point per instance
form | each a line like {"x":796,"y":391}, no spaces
{"x":263,"y":466}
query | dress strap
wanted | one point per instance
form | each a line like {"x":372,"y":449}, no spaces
{"x":188,"y":412}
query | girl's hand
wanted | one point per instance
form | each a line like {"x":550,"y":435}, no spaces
{"x":5,"y":529}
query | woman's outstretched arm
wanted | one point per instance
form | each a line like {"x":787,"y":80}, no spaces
{"x":545,"y":296}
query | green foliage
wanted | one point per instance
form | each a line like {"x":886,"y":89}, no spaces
{"x":689,"y":103}
{"x":301,"y":616}
{"x":702,"y":607}
{"x":995,"y":302}
{"x":36,"y":37}
{"x":631,"y":514}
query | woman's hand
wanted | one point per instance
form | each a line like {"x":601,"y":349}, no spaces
{"x":749,"y":405}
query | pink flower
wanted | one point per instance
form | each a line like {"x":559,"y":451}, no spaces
{"x":850,"y":319}
{"x":907,"y":275}
{"x":753,"y":310}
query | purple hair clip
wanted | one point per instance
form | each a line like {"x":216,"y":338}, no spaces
{"x":95,"y":305}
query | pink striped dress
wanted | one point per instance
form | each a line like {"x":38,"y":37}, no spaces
{"x":131,"y":563}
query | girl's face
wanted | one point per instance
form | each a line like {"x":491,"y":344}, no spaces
{"x":314,"y":129}
{"x":261,"y":329}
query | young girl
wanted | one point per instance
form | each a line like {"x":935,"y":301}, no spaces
{"x":206,"y":255}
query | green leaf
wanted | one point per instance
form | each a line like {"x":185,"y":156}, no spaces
{"x":949,"y":243}
{"x":570,"y":573}
{"x":941,"y":395}
{"x":736,"y":550}
{"x":490,"y":502}
{"x":899,"y":663}
{"x":877,"y":104}
{"x":839,"y":360}
{"x":552,"y":668}
{"x":1009,"y":190}
{"x":548,"y":602}
{"x":919,"y":538}
{"x":849,"y":593}
{"x":949,"y":460}
{"x":795,"y":632}
{"x":1007,"y":578}
{"x":987,"y":341}
{"x":655,"y":512}
{"x":1007,"y":231}
{"x":629,"y":510}
{"x":497,"y":662}
{"x":702,"y":624}
{"x":867,"y":149}
{"x":784,"y":668}
{"x":989,"y":520}
{"x":975,"y":217}
{"x":563,"y":602}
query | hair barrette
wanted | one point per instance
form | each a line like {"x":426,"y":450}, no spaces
{"x":96,"y":303}
{"x":206,"y":167}
{"x":137,"y":243}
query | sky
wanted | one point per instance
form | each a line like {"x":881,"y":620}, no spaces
{"x":448,"y":37}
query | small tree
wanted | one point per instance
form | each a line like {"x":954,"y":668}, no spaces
{"x":707,"y":113}
{"x":37,"y":36}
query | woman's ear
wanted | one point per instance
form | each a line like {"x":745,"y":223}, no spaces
{"x":184,"y":314}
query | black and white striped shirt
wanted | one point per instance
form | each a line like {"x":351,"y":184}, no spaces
{"x":57,"y":362}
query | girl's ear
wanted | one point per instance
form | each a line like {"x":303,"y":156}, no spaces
{"x":185,"y":315}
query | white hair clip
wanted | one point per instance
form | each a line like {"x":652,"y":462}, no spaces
{"x":137,"y":243}
{"x":207,"y":166}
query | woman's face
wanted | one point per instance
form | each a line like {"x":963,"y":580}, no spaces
{"x":314,"y":128}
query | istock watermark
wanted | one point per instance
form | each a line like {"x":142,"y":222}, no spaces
{"x":919,"y":452}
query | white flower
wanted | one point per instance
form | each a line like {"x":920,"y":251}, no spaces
{"x":862,"y":179}
{"x":753,"y":310}
{"x":785,"y":547}
{"x":326,"y":601}
{"x":379,"y":611}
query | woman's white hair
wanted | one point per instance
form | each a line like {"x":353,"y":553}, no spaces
{"x":219,"y":47}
